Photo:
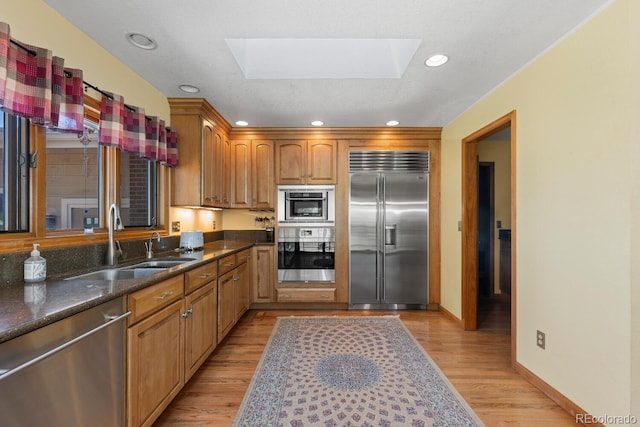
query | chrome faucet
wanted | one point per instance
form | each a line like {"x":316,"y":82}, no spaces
{"x":115,"y":224}
{"x":149,"y":244}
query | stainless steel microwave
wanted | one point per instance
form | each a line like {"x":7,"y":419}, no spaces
{"x":309,"y":205}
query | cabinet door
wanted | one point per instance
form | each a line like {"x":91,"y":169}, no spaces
{"x":241,"y":174}
{"x":225,"y":171}
{"x":322,"y":162}
{"x":215,"y":170}
{"x":208,"y":159}
{"x":291,"y":159}
{"x":243,"y":288}
{"x":226,"y":304}
{"x":188,"y":180}
{"x":262,"y":185}
{"x":155,"y":363}
{"x":200,"y":327}
{"x":263,"y":274}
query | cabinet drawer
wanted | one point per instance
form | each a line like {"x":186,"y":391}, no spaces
{"x":243,"y":256}
{"x":149,"y":300}
{"x":226,"y":264}
{"x":197,"y":277}
{"x":306,"y":295}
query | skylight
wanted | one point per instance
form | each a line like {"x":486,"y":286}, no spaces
{"x":323,"y":58}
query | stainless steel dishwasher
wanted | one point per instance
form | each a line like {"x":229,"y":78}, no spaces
{"x":69,"y":373}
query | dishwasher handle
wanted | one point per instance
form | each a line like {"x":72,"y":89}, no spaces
{"x":4,"y":373}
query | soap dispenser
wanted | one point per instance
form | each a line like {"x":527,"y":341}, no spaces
{"x":35,"y":267}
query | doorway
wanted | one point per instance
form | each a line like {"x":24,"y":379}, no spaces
{"x":486,"y":213}
{"x":472,"y":176}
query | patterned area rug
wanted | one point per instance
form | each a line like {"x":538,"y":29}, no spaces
{"x":349,"y":371}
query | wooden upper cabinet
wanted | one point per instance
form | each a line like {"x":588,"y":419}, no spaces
{"x":203,"y":175}
{"x":218,"y":167}
{"x":208,"y":158}
{"x":241,"y":174}
{"x":224,"y":169}
{"x":252,"y":174}
{"x":291,"y":157}
{"x":189,"y":179}
{"x":263,"y":165}
{"x":306,"y":162}
{"x":322,"y":162}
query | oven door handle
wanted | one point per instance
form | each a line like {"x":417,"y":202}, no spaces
{"x":306,"y":198}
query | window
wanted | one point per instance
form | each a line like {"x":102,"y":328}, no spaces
{"x":14,"y":173}
{"x":72,"y":180}
{"x":62,"y":189}
{"x":138,"y":191}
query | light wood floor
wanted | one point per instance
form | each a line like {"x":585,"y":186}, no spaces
{"x":477,"y":363}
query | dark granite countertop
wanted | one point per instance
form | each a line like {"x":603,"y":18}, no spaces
{"x":26,"y":307}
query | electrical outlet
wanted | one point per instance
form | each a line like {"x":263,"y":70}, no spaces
{"x":175,"y":226}
{"x":459,"y":225}
{"x":540,"y":339}
{"x":498,"y":224}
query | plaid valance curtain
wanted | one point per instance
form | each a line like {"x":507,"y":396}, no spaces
{"x":36,"y":85}
{"x":129,"y":129}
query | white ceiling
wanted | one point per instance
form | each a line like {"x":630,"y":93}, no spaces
{"x":487,"y":41}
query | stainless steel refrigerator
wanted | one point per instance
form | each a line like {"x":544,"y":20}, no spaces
{"x":388,"y":229}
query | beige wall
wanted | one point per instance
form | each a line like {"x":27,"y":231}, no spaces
{"x":34,"y":22}
{"x":634,"y":114}
{"x":574,"y":186}
{"x":197,"y":219}
{"x":499,"y":152}
{"x":244,"y":219}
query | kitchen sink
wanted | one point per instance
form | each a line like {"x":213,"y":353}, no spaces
{"x":134,"y":271}
{"x":161,"y":263}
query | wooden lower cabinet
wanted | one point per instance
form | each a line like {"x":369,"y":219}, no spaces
{"x":243,"y":288}
{"x":174,"y":327}
{"x":263,"y":273}
{"x":155,"y":363}
{"x":170,"y":335}
{"x":306,"y":294}
{"x":200,"y":327}
{"x":234,"y":291}
{"x":226,"y":303}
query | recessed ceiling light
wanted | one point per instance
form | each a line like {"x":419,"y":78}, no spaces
{"x":436,"y":60}
{"x":242,"y":123}
{"x":317,"y":123}
{"x":189,"y":88}
{"x":393,"y":123}
{"x":141,"y":41}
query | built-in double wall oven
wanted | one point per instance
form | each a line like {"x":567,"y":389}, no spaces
{"x":306,"y":254}
{"x":306,"y":234}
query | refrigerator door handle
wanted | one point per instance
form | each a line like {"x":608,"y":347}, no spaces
{"x":390,"y":233}
{"x":380,"y":290}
